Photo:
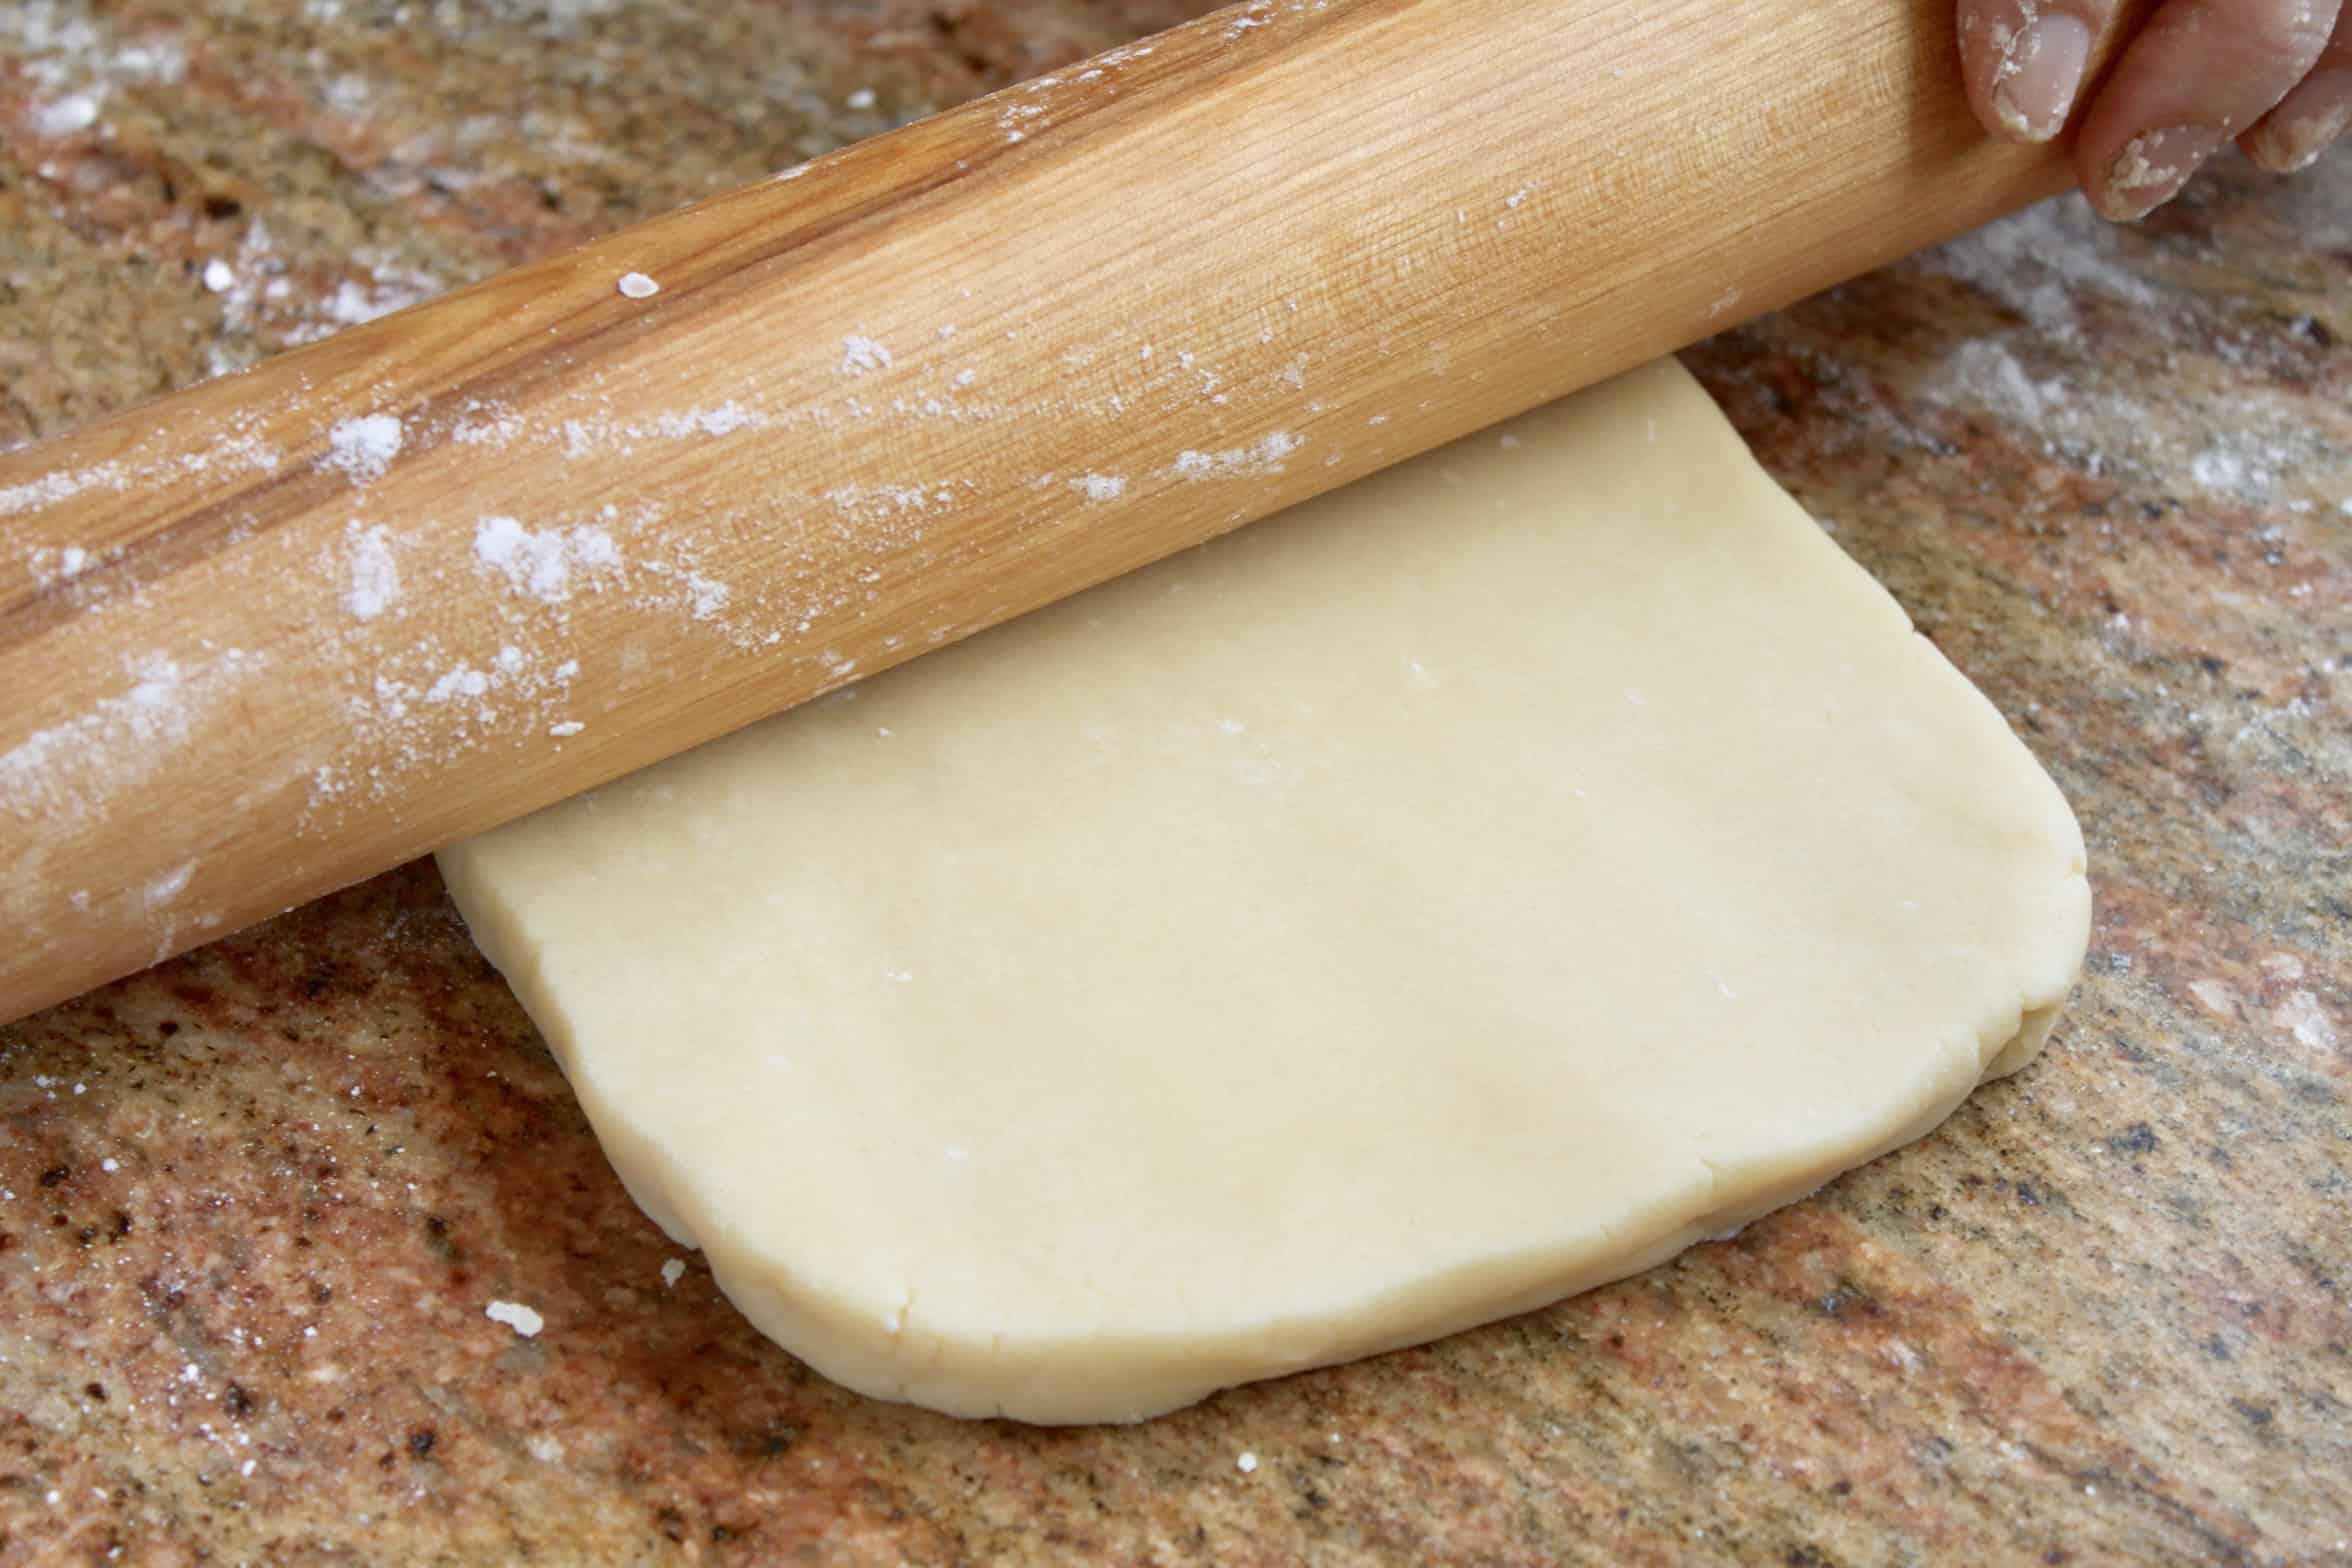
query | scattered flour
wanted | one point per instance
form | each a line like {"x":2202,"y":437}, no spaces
{"x":2031,"y":261}
{"x":480,"y":426}
{"x":541,"y":563}
{"x":51,"y":489}
{"x":61,"y":565}
{"x":86,"y":763}
{"x":1099,"y":487}
{"x":723,"y":420}
{"x":1238,"y":462}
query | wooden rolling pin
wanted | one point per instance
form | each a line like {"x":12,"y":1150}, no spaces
{"x":291,"y":627}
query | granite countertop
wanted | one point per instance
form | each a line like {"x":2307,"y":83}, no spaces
{"x":253,"y":1204}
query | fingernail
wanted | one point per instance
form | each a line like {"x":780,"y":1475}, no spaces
{"x":2040,"y":73}
{"x":2301,"y":128}
{"x":2152,"y":168}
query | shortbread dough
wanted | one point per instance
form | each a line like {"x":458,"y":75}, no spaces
{"x":1462,"y":890}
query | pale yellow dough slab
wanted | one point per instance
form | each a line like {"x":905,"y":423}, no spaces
{"x":1460,"y":891}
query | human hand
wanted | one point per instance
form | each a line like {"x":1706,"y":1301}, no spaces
{"x":2274,"y":75}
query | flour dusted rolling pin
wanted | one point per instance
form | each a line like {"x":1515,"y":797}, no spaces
{"x":289,"y":628}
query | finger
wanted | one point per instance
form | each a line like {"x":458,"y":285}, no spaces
{"x":2024,"y":61}
{"x":2293,"y":135}
{"x":2200,"y":72}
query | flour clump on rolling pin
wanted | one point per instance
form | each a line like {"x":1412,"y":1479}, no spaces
{"x":365,"y":447}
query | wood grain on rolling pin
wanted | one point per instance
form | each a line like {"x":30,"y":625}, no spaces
{"x":286,"y":629}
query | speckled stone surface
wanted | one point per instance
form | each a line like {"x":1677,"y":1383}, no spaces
{"x":254,"y":1205}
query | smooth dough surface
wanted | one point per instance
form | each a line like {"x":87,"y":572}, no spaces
{"x":1468,"y":888}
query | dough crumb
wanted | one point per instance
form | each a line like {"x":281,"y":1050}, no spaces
{"x":636,"y":285}
{"x":672,"y":1272}
{"x":516,"y":1316}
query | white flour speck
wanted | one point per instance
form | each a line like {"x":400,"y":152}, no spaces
{"x":74,"y":112}
{"x":862,"y":354}
{"x":364,"y":447}
{"x":456,"y":683}
{"x":672,"y":1272}
{"x":566,"y":730}
{"x":1247,"y":1464}
{"x":516,"y":1316}
{"x":863,"y":98}
{"x":375,"y":579}
{"x":219,"y":276}
{"x":636,"y":285}
{"x":709,"y":596}
{"x":1099,"y":487}
{"x":2219,"y":469}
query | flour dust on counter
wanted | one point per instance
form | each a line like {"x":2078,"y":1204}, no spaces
{"x":1457,"y":892}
